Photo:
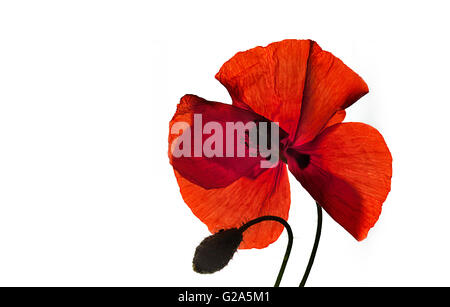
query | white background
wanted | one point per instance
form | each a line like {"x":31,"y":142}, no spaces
{"x":87,"y":88}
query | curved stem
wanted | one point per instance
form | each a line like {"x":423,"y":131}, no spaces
{"x":315,"y":246}
{"x":289,"y":246}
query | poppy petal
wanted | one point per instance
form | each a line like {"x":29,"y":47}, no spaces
{"x":210,"y":171}
{"x":240,"y":202}
{"x":293,"y":82}
{"x":348,"y":171}
{"x":269,"y":80}
{"x":337,"y":118}
{"x":330,"y":86}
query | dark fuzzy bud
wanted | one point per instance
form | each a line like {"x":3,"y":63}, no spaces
{"x":215,"y":251}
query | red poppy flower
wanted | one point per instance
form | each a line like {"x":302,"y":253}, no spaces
{"x":346,"y":167}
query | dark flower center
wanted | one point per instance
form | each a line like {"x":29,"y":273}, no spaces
{"x":302,"y":159}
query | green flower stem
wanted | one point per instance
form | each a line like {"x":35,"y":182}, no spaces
{"x":289,"y":246}
{"x":315,"y":246}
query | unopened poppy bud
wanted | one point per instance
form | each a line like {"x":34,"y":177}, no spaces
{"x":215,"y":251}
